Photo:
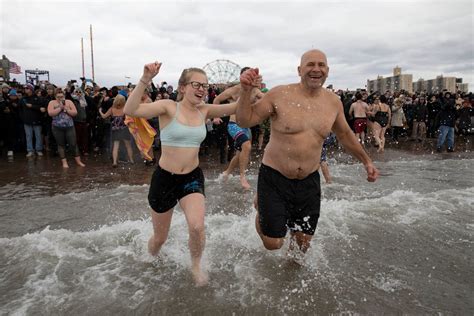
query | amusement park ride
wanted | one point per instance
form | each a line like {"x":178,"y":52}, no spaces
{"x":222,"y":71}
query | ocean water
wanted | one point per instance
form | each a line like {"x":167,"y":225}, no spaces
{"x":75,"y":243}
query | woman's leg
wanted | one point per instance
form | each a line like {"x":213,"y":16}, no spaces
{"x":128,"y":146}
{"x":60,"y":137}
{"x":72,"y":141}
{"x":194,"y":210}
{"x":376,"y":131}
{"x":382,"y":138}
{"x":115,"y":150}
{"x":161,"y":227}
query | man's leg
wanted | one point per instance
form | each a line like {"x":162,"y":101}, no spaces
{"x":302,"y":240}
{"x":232,"y":165}
{"x":268,"y":242}
{"x":29,"y":139}
{"x":443,"y":132}
{"x":450,"y":138}
{"x":38,"y":138}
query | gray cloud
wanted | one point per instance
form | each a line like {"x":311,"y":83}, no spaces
{"x":361,"y":39}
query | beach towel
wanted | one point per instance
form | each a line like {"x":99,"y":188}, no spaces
{"x":143,"y":133}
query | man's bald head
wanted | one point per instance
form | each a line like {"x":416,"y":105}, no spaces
{"x":312,"y":53}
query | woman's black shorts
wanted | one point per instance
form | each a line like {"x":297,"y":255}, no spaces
{"x":167,"y":188}
{"x":287,"y":203}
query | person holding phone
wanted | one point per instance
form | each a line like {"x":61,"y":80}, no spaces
{"x":62,"y":111}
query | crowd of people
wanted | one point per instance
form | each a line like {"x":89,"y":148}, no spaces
{"x":28,"y":126}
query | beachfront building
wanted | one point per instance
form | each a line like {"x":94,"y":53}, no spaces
{"x":440,"y":83}
{"x":394,"y":83}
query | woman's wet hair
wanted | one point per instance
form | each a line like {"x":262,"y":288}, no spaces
{"x":184,"y":79}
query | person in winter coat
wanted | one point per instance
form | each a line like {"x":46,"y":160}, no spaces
{"x":447,"y":119}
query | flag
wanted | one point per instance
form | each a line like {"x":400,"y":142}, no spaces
{"x":14,"y":68}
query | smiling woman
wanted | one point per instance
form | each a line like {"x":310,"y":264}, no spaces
{"x":178,"y":178}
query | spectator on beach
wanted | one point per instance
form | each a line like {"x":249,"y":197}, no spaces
{"x":465,"y":112}
{"x":408,"y":110}
{"x":32,"y":119}
{"x":50,"y":142}
{"x":433,"y":108}
{"x":10,"y":110}
{"x":119,"y":129}
{"x":80,"y":122}
{"x":398,"y":118}
{"x":101,"y":135}
{"x":447,"y":119}
{"x":5,"y":90}
{"x":420,"y":118}
{"x":171,"y":93}
{"x":62,"y":111}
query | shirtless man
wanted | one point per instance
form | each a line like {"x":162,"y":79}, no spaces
{"x":302,"y":116}
{"x":242,"y":136}
{"x":359,"y":111}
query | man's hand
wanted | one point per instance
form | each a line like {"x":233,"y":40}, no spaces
{"x":250,"y":79}
{"x":150,"y":71}
{"x":372,"y":172}
{"x":217,"y":121}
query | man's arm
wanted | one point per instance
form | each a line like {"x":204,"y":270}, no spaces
{"x":226,"y":95}
{"x":348,"y":140}
{"x":248,"y":114}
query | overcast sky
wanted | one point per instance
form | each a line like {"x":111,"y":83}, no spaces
{"x":362,"y":39}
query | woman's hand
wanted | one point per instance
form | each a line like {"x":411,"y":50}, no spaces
{"x":150,"y":71}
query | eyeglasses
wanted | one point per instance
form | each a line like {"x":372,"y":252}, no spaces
{"x":196,"y":85}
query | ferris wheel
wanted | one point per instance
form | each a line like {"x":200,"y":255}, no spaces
{"x":222,"y":71}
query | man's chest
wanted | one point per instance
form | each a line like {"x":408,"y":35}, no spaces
{"x":303,"y":116}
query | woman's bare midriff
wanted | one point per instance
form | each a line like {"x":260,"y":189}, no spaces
{"x":179,"y":160}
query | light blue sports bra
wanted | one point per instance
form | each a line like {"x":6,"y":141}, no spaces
{"x":176,"y":134}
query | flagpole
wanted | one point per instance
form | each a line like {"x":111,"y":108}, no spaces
{"x":92,"y":54}
{"x":82,"y":56}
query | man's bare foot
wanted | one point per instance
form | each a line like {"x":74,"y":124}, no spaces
{"x":200,"y":277}
{"x":65,"y":165}
{"x":244,"y":183}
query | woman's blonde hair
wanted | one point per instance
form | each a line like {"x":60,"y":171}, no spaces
{"x":184,"y":78}
{"x":119,"y":101}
